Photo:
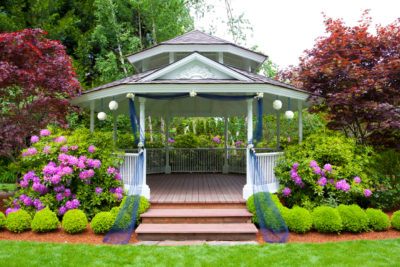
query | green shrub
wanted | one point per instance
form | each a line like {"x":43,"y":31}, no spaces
{"x":2,"y":220}
{"x":326,"y":220}
{"x":346,"y":160}
{"x":353,"y":218}
{"x":45,"y":221}
{"x":395,"y":221}
{"x":18,"y":221}
{"x":251,"y":206}
{"x":102,"y":222}
{"x":74,"y":221}
{"x":378,"y":220}
{"x":126,"y":218}
{"x":298,"y":220}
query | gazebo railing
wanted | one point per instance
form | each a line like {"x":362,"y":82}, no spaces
{"x":196,"y":159}
{"x":128,"y":167}
{"x":267,"y":163}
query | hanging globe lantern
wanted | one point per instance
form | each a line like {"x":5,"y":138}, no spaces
{"x":113,"y":105}
{"x":277,"y":104}
{"x":289,"y":114}
{"x":102,"y":116}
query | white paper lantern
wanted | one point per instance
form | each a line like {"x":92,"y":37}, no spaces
{"x":113,"y":105}
{"x":277,"y":104}
{"x":102,"y":116}
{"x":289,"y":114}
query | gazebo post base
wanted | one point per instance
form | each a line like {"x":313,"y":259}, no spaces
{"x":225,"y":168}
{"x":144,"y":190}
{"x":168,"y":169}
{"x":247,"y":191}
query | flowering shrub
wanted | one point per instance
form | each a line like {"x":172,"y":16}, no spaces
{"x":18,"y":221}
{"x":74,"y":221}
{"x":45,"y":221}
{"x":378,"y":220}
{"x":324,"y":170}
{"x":69,"y":170}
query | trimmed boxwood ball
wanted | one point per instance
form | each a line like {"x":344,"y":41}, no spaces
{"x":74,"y":221}
{"x":396,"y":220}
{"x":251,"y":206}
{"x":378,"y":220}
{"x":18,"y":221}
{"x":102,"y":222}
{"x":45,"y":221}
{"x":353,"y":218}
{"x":2,"y":220}
{"x":143,"y":206}
{"x":298,"y":220}
{"x":326,"y":220}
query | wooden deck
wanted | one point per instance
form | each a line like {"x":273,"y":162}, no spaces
{"x":196,"y":188}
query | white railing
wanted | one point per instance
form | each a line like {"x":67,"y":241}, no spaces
{"x":196,"y":159}
{"x":128,"y":167}
{"x":267,"y":163}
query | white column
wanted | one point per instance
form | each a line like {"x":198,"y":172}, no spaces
{"x":248,"y":188}
{"x":92,"y":116}
{"x":221,"y":57}
{"x":278,"y":129}
{"x":114,"y":128}
{"x":300,"y":110}
{"x":171,"y":57}
{"x":167,"y":166}
{"x":145,"y":188}
{"x":225,"y":168}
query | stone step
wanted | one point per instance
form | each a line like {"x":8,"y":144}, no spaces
{"x":197,"y":205}
{"x":220,"y":231}
{"x":196,"y":216}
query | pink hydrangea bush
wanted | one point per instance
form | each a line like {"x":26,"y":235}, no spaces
{"x":69,"y":171}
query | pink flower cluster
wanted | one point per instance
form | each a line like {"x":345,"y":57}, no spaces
{"x":60,"y":139}
{"x":216,"y":140}
{"x":31,"y":151}
{"x":45,"y":132}
{"x":295,"y":176}
{"x":239,"y":144}
{"x":342,"y":185}
{"x":117,"y":191}
{"x":171,"y":141}
{"x":34,"y":139}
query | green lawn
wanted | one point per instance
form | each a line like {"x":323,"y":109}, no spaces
{"x":7,"y":187}
{"x":351,"y":253}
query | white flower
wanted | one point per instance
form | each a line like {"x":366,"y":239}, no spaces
{"x":130,"y":95}
{"x":260,"y":95}
{"x":250,"y":146}
{"x":140,"y":145}
{"x":192,"y":94}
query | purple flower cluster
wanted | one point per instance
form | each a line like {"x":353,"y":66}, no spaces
{"x":357,"y":179}
{"x":92,"y":149}
{"x":29,"y":152}
{"x":86,"y":174}
{"x":60,"y":139}
{"x":295,"y":176}
{"x":171,"y":141}
{"x":367,"y":192}
{"x":216,"y":140}
{"x":47,"y":149}
{"x":239,"y":144}
{"x":34,"y":139}
{"x":286,"y":191}
{"x":45,"y":132}
{"x":117,"y":191}
{"x":98,"y":190}
{"x":64,"y":149}
{"x":342,"y":185}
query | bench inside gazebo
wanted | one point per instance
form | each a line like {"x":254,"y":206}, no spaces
{"x":196,"y":75}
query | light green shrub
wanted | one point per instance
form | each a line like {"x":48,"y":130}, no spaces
{"x":378,"y":220}
{"x":353,"y":218}
{"x":18,"y":221}
{"x":326,"y":220}
{"x":74,"y":221}
{"x":102,"y":222}
{"x":251,"y":206}
{"x":298,"y":220}
{"x":45,"y":221}
{"x":2,"y":220}
{"x":395,"y":221}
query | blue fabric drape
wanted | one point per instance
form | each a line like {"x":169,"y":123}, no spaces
{"x":225,"y":97}
{"x":258,"y":134}
{"x":134,"y":120}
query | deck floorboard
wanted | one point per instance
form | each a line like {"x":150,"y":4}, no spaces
{"x":196,"y":188}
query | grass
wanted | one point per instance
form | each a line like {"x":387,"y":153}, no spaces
{"x":7,"y":187}
{"x":349,"y":253}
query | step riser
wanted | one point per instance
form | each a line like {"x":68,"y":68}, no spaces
{"x":196,"y":220}
{"x":198,"y":206}
{"x":207,"y":237}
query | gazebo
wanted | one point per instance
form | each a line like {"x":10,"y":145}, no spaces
{"x":196,"y":75}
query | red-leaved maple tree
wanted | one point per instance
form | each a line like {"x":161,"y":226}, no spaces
{"x":36,"y":81}
{"x":357,"y":74}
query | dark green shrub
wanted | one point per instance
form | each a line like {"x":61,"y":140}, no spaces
{"x":102,"y":222}
{"x":2,"y":220}
{"x":18,"y":221}
{"x":395,"y":221}
{"x":298,"y":220}
{"x":353,"y":218}
{"x":378,"y":220}
{"x":45,"y":221}
{"x":251,"y":206}
{"x":74,"y":221}
{"x":326,"y":220}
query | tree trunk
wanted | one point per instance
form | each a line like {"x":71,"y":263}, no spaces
{"x":121,"y":56}
{"x":150,"y":130}
{"x":163,"y":128}
{"x":153,"y":24}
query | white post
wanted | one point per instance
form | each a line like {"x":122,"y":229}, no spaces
{"x":115,"y":128}
{"x":278,"y":130}
{"x":145,"y":188}
{"x":248,"y":188}
{"x":221,"y":57}
{"x":171,"y":57}
{"x":167,"y":166}
{"x":92,"y":116}
{"x":225,"y":168}
{"x":300,"y":110}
